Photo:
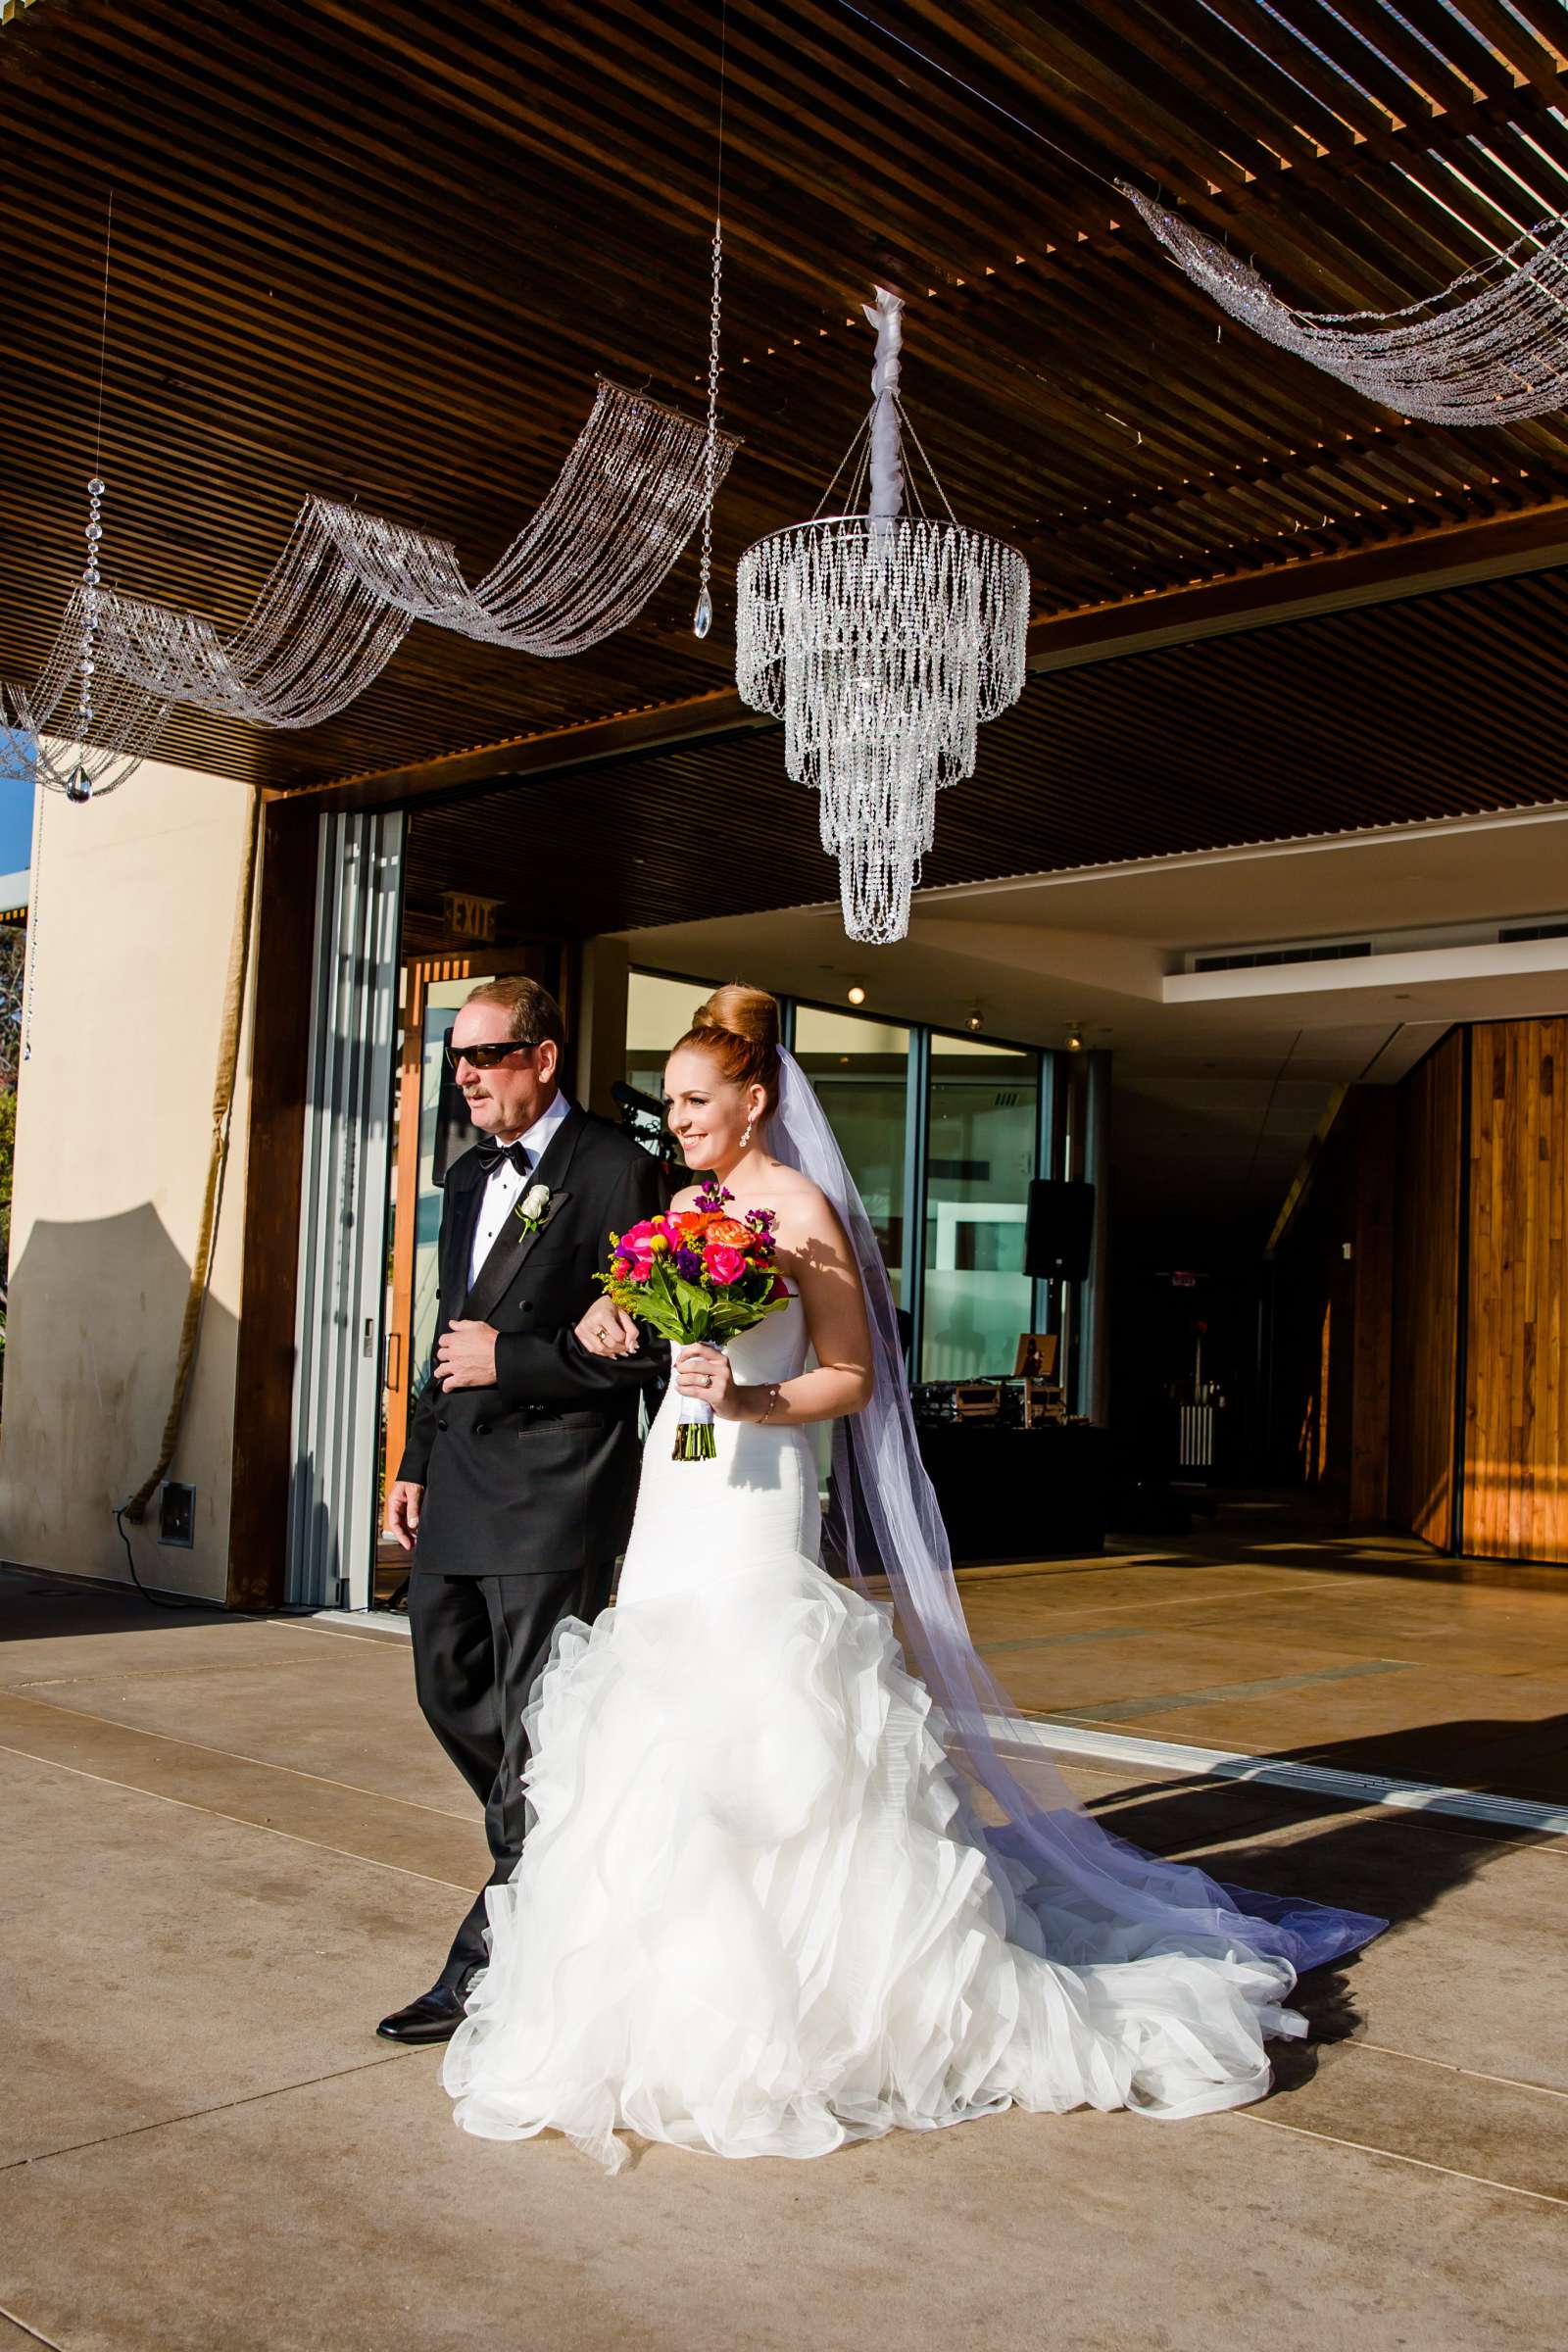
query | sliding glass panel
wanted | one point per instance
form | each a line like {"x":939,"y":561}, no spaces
{"x":657,"y":1012}
{"x":860,"y":1069}
{"x":980,"y":1145}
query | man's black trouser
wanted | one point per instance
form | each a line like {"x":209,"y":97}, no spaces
{"x":479,"y":1643}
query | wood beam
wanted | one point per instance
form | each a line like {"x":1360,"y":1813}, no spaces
{"x":1426,"y":562}
{"x":628,"y":734}
{"x":1458,"y":554}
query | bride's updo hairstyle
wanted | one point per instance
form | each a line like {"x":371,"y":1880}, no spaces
{"x":738,"y":1027}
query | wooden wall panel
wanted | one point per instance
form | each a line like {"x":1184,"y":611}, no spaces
{"x":1426,"y":1294}
{"x":1334,"y":1302}
{"x":1516,"y":1431}
{"x":263,"y":1399}
{"x":1372,"y":1333}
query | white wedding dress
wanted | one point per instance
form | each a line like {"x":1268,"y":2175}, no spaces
{"x":754,"y":1914}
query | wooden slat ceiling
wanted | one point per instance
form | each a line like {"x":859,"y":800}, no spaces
{"x":380,"y":250}
{"x":1444,"y":706}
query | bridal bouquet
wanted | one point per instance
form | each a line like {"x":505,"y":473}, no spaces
{"x":698,"y":1274}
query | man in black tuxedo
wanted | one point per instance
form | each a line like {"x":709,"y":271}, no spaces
{"x":517,"y":1483}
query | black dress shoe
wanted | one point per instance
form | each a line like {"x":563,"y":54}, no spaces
{"x":434,"y":2017}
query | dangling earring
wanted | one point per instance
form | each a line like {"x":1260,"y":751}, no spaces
{"x":746,"y":1138}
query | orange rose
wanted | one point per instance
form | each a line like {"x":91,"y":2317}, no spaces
{"x":731,"y":1233}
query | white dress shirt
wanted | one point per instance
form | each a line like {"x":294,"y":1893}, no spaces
{"x":506,"y":1184}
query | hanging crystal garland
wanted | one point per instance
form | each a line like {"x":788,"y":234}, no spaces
{"x":348,"y":586}
{"x":609,"y":529}
{"x":1491,"y":347}
{"x":882,"y":640}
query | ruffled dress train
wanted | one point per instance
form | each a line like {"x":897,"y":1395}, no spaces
{"x":755,"y":1914}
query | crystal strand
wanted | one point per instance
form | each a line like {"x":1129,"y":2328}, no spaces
{"x":703,"y":617}
{"x":79,"y":785}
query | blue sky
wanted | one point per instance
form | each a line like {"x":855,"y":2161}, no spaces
{"x":15,"y":817}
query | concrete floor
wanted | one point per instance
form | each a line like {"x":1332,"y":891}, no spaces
{"x":230,"y":1845}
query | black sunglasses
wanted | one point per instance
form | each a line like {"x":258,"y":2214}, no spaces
{"x":489,"y":1058}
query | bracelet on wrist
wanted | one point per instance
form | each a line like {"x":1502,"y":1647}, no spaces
{"x":775,"y":1391}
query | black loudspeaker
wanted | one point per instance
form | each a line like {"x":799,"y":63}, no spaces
{"x":1060,"y":1231}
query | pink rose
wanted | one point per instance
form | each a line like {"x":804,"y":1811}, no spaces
{"x":725,"y":1264}
{"x":636,"y":1253}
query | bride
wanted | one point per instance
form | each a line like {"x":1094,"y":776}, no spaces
{"x":773,"y":1898}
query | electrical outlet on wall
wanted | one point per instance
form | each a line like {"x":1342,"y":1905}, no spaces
{"x":177,"y":1514}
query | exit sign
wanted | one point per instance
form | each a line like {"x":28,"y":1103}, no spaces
{"x":469,"y":917}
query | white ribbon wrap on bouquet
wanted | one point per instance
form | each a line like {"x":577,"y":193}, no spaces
{"x":695,"y":1408}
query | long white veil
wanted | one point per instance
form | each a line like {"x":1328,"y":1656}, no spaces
{"x":1097,"y":1897}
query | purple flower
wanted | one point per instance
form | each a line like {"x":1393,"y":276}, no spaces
{"x":712,"y":1196}
{"x":762,"y":1220}
{"x":688,"y":1266}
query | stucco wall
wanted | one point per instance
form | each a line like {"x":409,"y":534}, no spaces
{"x":134,"y":906}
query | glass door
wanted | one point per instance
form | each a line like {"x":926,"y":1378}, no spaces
{"x":981,"y":1133}
{"x":861,"y":1070}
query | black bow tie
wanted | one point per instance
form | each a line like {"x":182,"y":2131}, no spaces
{"x":493,"y":1156}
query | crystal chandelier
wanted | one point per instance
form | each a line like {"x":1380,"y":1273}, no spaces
{"x":1489,"y":348}
{"x":882,"y":640}
{"x":348,"y":587}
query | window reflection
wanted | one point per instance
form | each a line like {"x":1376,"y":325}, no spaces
{"x":982,"y":1118}
{"x":657,"y":1012}
{"x":861,"y":1070}
{"x":980,"y":1156}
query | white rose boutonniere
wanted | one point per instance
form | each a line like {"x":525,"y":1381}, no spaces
{"x":533,"y":1207}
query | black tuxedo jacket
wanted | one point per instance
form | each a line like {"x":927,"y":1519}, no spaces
{"x":539,"y":1472}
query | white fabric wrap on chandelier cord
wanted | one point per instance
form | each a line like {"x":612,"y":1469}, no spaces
{"x":887,"y":457}
{"x":1106,"y":1899}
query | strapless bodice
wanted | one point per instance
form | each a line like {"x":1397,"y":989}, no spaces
{"x":754,"y":1504}
{"x":773,"y":1350}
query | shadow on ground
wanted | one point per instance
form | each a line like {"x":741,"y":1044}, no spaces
{"x":1397,"y":1863}
{"x":47,"y":1608}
